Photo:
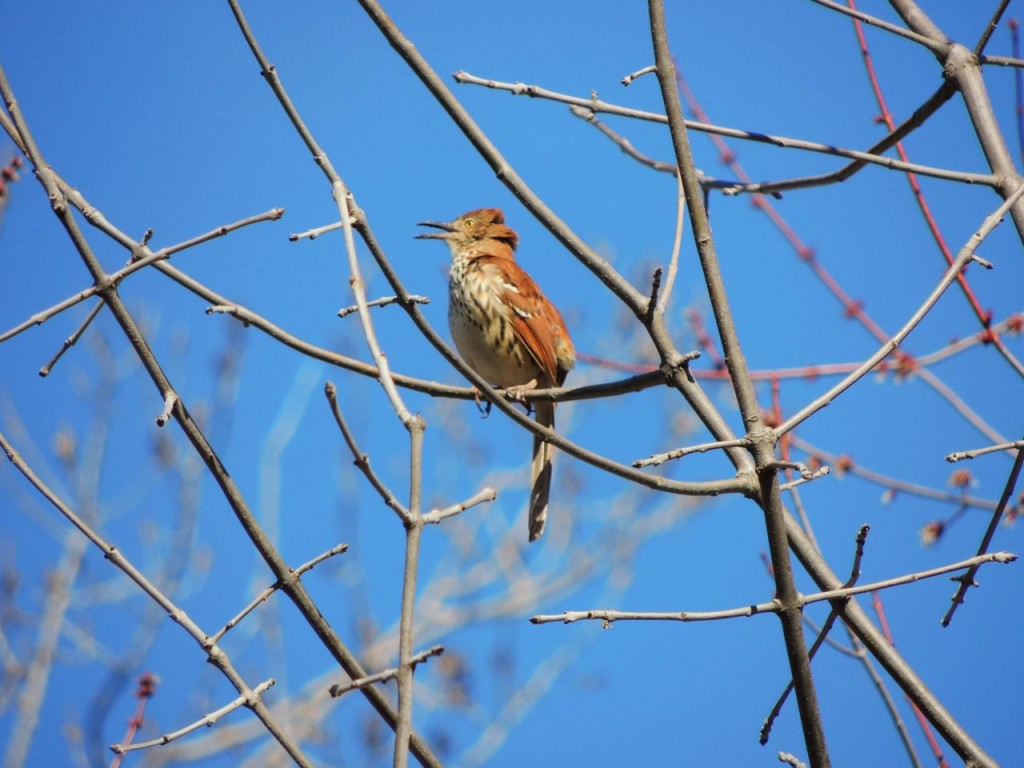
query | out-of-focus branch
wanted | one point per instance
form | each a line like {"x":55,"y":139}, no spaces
{"x":292,"y":587}
{"x":844,"y":464}
{"x":401,"y":721}
{"x":216,"y":655}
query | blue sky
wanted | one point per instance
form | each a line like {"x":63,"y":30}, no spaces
{"x":157,"y":113}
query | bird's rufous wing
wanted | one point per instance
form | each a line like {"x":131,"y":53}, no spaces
{"x":533,"y":319}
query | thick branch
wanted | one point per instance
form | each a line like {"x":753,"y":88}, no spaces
{"x":763,"y":445}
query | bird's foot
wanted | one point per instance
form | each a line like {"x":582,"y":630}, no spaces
{"x":517,"y":394}
{"x":484,"y":406}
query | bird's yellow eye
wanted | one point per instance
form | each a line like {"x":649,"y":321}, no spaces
{"x":469,"y":223}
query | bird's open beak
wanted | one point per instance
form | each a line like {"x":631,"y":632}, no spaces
{"x":448,"y":229}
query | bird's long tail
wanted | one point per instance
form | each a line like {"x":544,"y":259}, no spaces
{"x":540,"y":472}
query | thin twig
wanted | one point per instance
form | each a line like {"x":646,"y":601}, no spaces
{"x":207,"y":720}
{"x":677,"y":243}
{"x":598,"y":105}
{"x":413,"y":535}
{"x":624,"y":144}
{"x":791,"y":760}
{"x":773,"y":606}
{"x":966,"y":581}
{"x":991,"y":27}
{"x":806,"y":477}
{"x":966,"y":255}
{"x":71,"y":340}
{"x":628,"y":79}
{"x":145,"y":691}
{"x":961,"y":455}
{"x":266,"y":593}
{"x":382,"y":302}
{"x":435,"y":516}
{"x":363,"y":461}
{"x":134,"y":265}
{"x":806,"y":473}
{"x":823,"y":634}
{"x":1002,"y":61}
{"x":170,"y":399}
{"x":924,"y":40}
{"x":313,"y":234}
{"x":339,"y":689}
{"x":293,"y":588}
{"x":678,"y":453}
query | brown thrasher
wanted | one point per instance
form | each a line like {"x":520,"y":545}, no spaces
{"x":504,"y":327}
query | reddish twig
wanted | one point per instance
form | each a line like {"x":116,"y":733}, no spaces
{"x":9,"y":173}
{"x":876,"y":602}
{"x":966,"y":581}
{"x":984,"y":315}
{"x":146,"y":690}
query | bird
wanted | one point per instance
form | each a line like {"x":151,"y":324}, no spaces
{"x":505,"y":329}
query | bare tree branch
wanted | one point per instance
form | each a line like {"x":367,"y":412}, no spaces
{"x":961,"y":455}
{"x":966,"y":581}
{"x":216,"y":655}
{"x":382,"y":677}
{"x":292,"y":587}
{"x":207,"y":721}
{"x":967,"y":254}
{"x":869,"y":157}
{"x":773,"y":606}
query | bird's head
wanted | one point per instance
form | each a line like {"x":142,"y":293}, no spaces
{"x":473,"y":227}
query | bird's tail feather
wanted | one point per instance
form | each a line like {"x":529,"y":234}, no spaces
{"x":540,"y":472}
